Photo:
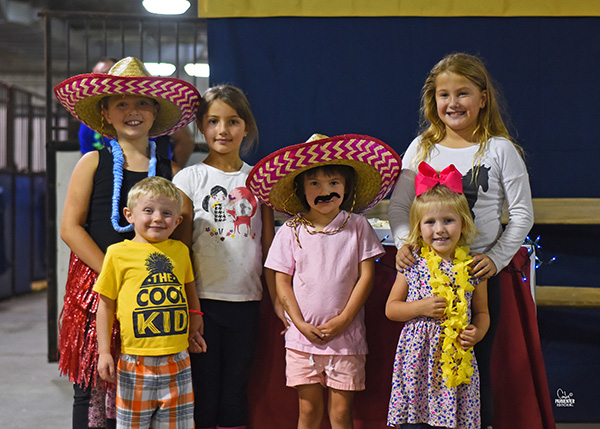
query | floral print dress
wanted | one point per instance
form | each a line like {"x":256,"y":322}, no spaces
{"x":419,"y":394}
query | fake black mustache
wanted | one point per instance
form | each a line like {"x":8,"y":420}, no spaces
{"x":326,"y":198}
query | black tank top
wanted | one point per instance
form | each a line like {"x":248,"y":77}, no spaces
{"x":98,"y":223}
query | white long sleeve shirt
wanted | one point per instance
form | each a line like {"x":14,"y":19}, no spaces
{"x":502,"y":177}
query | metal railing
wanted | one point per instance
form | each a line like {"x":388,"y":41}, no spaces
{"x":22,"y":189}
{"x":22,"y":135}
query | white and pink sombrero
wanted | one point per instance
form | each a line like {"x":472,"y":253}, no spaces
{"x":81,"y":95}
{"x":376,"y":164}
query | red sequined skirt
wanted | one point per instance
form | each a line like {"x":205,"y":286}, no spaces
{"x":77,"y":340}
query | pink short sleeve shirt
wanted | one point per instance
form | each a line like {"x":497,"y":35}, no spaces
{"x":325,"y":271}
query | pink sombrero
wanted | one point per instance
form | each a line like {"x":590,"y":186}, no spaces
{"x":81,"y":95}
{"x":376,"y":164}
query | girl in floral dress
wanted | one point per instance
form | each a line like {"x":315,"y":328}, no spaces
{"x":435,"y":383}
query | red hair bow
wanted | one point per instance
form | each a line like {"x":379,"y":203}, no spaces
{"x":427,"y":178}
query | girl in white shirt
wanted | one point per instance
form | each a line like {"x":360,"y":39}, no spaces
{"x":229,"y":232}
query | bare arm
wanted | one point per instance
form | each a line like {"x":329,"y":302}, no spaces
{"x":183,"y":232}
{"x":197,"y":343}
{"x":480,"y":320}
{"x":338,"y":324}
{"x":268,"y":232}
{"x":194,"y":305}
{"x":399,"y":310}
{"x":75,"y":212}
{"x":183,"y":146}
{"x":175,"y":168}
{"x":104,"y":323}
{"x":288,"y":300}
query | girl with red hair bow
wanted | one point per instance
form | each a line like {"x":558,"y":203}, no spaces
{"x":435,"y":382}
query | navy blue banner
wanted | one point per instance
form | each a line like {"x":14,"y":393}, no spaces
{"x":364,"y":75}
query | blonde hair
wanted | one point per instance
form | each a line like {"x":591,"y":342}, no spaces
{"x":441,"y":196}
{"x":237,"y":100}
{"x":489,"y":121}
{"x":155,"y":186}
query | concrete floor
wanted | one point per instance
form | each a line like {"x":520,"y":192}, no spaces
{"x":32,"y":395}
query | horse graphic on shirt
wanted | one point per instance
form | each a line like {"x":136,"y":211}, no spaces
{"x":472,"y":181}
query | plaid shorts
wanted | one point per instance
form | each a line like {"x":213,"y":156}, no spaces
{"x":155,"y":392}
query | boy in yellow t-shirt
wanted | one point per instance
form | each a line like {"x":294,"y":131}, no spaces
{"x":148,"y":283}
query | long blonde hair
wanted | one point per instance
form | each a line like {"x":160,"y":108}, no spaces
{"x":489,"y":121}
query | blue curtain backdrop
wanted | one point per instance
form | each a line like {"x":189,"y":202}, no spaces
{"x":364,"y":75}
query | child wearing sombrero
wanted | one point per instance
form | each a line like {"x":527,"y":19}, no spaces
{"x":324,"y":261}
{"x":129,"y":106}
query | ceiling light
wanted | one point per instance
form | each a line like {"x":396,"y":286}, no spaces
{"x":160,"y":69}
{"x":197,"y":69}
{"x":166,"y":7}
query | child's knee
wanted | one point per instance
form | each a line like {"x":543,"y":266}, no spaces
{"x":310,"y":409}
{"x":340,"y":408}
{"x":340,"y":414}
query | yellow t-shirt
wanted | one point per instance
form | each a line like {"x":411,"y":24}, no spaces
{"x":147,"y":282}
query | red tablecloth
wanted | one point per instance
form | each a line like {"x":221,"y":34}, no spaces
{"x":522,"y":400}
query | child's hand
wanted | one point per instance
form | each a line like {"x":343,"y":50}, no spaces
{"x":482,"y":266}
{"x":332,"y":328}
{"x":106,"y":367}
{"x":404,"y":258}
{"x":434,"y":307}
{"x":312,"y":334}
{"x":197,"y":344}
{"x":469,"y":337}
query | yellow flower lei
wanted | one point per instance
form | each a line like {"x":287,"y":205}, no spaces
{"x":456,"y":362}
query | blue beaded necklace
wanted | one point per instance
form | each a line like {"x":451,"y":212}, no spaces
{"x":118,"y":161}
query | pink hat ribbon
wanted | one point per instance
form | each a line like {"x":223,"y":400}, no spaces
{"x":428,"y":178}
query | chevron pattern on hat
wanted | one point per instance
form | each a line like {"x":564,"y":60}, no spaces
{"x":177,"y":93}
{"x":80,"y":95}
{"x":354,"y":150}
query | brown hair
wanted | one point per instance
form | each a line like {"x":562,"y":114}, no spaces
{"x":347,"y":172}
{"x":235,"y":98}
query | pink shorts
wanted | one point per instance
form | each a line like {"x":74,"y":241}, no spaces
{"x":341,"y":372}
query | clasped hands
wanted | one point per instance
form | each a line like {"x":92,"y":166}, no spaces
{"x":326,"y":332}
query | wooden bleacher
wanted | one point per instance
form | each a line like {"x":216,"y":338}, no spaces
{"x":567,"y":211}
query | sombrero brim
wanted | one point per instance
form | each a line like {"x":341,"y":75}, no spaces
{"x":81,"y":95}
{"x":376,"y":164}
